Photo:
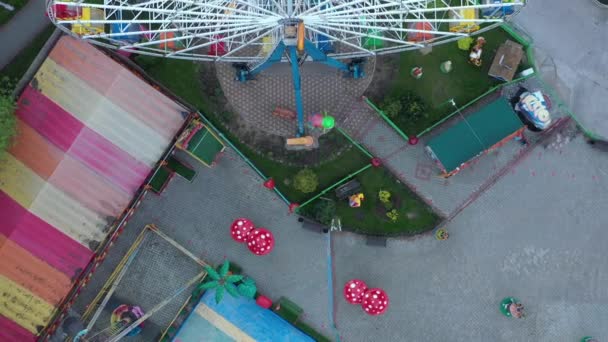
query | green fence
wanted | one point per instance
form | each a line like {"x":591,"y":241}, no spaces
{"x":359,"y":146}
{"x":386,"y":119}
{"x":329,"y":188}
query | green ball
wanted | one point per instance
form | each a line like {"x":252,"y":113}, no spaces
{"x":328,"y":122}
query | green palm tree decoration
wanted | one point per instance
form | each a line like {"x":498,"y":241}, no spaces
{"x":221,"y":281}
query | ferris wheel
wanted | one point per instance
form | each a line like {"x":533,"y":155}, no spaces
{"x":249,"y":30}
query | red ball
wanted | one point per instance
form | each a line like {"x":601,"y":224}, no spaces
{"x":375,"y":302}
{"x":260,"y":241}
{"x":240,"y":228}
{"x":413,"y":140}
{"x":376,"y":162}
{"x":354,"y":290}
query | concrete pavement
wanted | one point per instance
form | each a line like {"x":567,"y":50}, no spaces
{"x":571,"y":48}
{"x":537,"y":235}
{"x":21,"y":30}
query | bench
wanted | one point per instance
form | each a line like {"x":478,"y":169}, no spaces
{"x":312,"y":225}
{"x":347,"y":189}
{"x":288,"y":310}
{"x":375,"y":241}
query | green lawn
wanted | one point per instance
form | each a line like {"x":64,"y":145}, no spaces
{"x":6,"y":15}
{"x":414,"y":216}
{"x":18,"y":66}
{"x":464,"y":83}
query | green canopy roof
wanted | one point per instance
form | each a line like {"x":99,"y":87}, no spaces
{"x":479,"y":132}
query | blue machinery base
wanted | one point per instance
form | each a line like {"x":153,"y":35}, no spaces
{"x":353,"y":69}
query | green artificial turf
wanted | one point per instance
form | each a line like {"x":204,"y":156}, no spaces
{"x":371,"y":219}
{"x":180,"y":168}
{"x":464,"y":83}
{"x":160,"y":179}
{"x":18,"y":66}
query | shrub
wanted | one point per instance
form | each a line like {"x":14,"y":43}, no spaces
{"x":413,"y":106}
{"x":305,"y":181}
{"x":392,"y":107}
{"x":385,"y":196}
{"x":393,"y":215}
{"x":325,"y":210}
{"x":7,"y":116}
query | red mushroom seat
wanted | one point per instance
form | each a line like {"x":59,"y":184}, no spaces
{"x":375,"y":302}
{"x":260,"y":241}
{"x":354,"y":290}
{"x":240,"y":228}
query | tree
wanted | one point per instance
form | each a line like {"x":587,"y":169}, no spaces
{"x":221,"y":281}
{"x":7,"y":122}
{"x":305,"y":181}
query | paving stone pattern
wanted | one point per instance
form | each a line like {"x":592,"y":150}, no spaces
{"x":537,"y":235}
{"x":198,"y":215}
{"x":323,"y":88}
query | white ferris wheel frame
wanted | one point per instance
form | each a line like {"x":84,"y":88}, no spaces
{"x":248,"y":29}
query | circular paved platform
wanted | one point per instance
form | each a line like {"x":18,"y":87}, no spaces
{"x":323,"y":88}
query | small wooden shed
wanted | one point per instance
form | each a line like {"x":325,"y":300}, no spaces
{"x":506,"y":61}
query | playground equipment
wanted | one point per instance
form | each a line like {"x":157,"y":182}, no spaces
{"x":260,"y":241}
{"x":481,"y":132}
{"x":476,"y":51}
{"x":240,"y":228}
{"x":307,"y":141}
{"x":147,"y":256}
{"x":532,"y":109}
{"x":416,"y":72}
{"x":446,"y":67}
{"x":354,"y":201}
{"x":354,"y":290}
{"x":199,"y":141}
{"x":442,"y":234}
{"x":124,"y":315}
{"x":511,"y":307}
{"x":373,"y":301}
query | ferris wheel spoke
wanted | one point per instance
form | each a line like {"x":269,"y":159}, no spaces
{"x":343,"y":41}
{"x":367,"y":35}
{"x":249,"y":43}
{"x":384,"y":28}
{"x":218,"y":40}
